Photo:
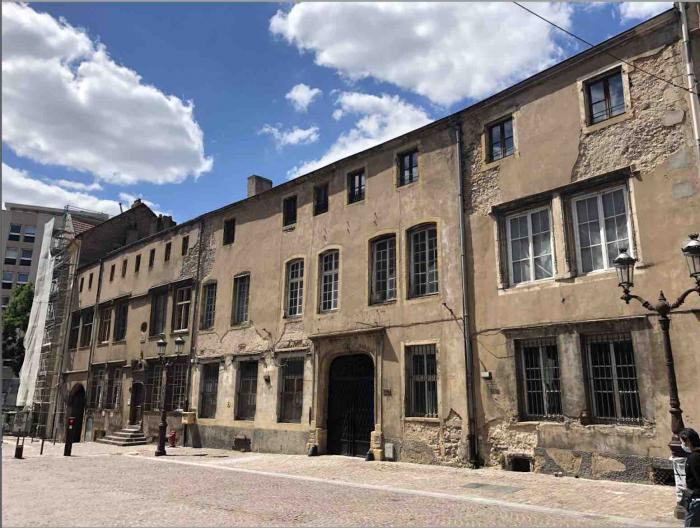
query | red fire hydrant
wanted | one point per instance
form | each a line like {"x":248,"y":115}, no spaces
{"x":172,"y":438}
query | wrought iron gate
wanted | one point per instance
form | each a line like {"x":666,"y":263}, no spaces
{"x":350,"y":405}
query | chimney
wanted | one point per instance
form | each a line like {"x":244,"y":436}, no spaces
{"x":258,"y":184}
{"x":137,"y":202}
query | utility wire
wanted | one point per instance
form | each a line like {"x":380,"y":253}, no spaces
{"x":606,"y":52}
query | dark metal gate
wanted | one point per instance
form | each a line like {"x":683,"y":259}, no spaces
{"x":350,"y":405}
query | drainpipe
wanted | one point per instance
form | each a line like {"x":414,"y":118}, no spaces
{"x":468,"y":352}
{"x":690,"y":74}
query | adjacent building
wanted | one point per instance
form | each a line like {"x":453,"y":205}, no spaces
{"x":445,"y":297}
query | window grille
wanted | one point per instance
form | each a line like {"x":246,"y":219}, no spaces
{"x":159,"y":305}
{"x":421,"y":364}
{"x":210,"y":385}
{"x":423,"y":276}
{"x":500,"y":139}
{"x":356,"y":186}
{"x":320,"y":199}
{"x":530,"y":246}
{"x":383,"y":269}
{"x":121,"y":312}
{"x":229,"y":231}
{"x":295,"y":288}
{"x":247,"y":390}
{"x":241,"y":292}
{"x":86,"y":327}
{"x":541,"y":382}
{"x":289,"y":211}
{"x":601,"y":227}
{"x":408,"y":167}
{"x":605,"y":98}
{"x":105,"y":323}
{"x":209,"y":308}
{"x":330,"y":263}
{"x":292,"y":382}
{"x":183,"y":298}
{"x":612,"y":374}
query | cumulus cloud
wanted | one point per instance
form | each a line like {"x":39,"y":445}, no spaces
{"x":19,"y":187}
{"x":444,"y":51}
{"x":634,"y":11}
{"x":66,"y":102}
{"x":78,"y":186}
{"x":379,"y":118}
{"x":301,"y":96}
{"x":293,"y":136}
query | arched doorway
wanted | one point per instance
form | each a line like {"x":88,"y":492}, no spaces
{"x":76,"y":409}
{"x":350,"y":405}
{"x":136,"y":404}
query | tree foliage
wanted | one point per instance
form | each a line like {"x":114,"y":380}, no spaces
{"x":15,"y":319}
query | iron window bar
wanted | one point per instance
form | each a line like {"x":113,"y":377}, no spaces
{"x":422,"y":381}
{"x":541,"y":380}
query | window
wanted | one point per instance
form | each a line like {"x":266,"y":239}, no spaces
{"x":356,"y":186}
{"x":11,"y":255}
{"x":329,"y":264}
{"x":121,"y":313}
{"x":241,"y":294}
{"x":295,"y":288}
{"x":321,"y":199}
{"x":292,"y":383}
{"x":383,"y":286}
{"x":74,"y":330}
{"x":605,"y":98}
{"x":97,"y":388}
{"x":114,"y":390}
{"x":229,"y":231}
{"x":105,"y":323}
{"x":159,"y":304}
{"x":168,"y":247}
{"x":151,"y":258}
{"x":208,"y":306}
{"x":82,"y":282}
{"x":7,"y":278}
{"x":181,"y":316}
{"x":423,"y":261}
{"x":111,"y":273}
{"x":289,"y":211}
{"x":421,"y":364}
{"x":90,"y":282}
{"x":614,"y":394}
{"x":26,"y":258}
{"x":29,"y":234}
{"x":247,"y":390}
{"x":86,"y":317}
{"x":174,"y":389}
{"x":154,"y":382}
{"x":529,"y":246}
{"x":601,"y":229}
{"x":137,"y":264}
{"x":408,"y":167}
{"x":540,"y":374}
{"x":22,"y":278}
{"x":124,"y":267}
{"x":185,"y":245}
{"x":210,"y":386}
{"x":15,"y":231}
{"x":500,"y":139}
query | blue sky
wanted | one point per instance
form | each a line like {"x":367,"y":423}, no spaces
{"x":96,"y":97}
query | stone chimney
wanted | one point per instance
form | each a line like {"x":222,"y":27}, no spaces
{"x":258,"y":184}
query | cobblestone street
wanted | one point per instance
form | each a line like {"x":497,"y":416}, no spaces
{"x":112,"y":486}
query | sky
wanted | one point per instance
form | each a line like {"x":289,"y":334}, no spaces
{"x":177,"y":104}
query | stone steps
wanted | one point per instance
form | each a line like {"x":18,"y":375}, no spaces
{"x":129,"y":436}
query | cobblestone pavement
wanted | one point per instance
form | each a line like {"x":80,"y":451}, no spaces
{"x":112,"y":486}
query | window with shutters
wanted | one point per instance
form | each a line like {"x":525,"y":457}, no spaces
{"x":541,"y":386}
{"x":247,"y":390}
{"x":292,"y":390}
{"x":421,"y":380}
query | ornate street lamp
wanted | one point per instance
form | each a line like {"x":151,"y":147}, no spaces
{"x":179,"y":345}
{"x":624,"y":264}
{"x":162,"y":345}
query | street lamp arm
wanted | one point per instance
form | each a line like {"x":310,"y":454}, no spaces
{"x":627,"y":296}
{"x":682,"y":297}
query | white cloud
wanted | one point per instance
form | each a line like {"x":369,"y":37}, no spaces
{"x":293,"y":136}
{"x":78,"y":186}
{"x":633,"y":11}
{"x":19,"y":187}
{"x":444,"y":51}
{"x":380,"y":118}
{"x":301,"y":96}
{"x":66,"y":102}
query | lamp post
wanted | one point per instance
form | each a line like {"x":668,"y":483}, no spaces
{"x":624,"y":264}
{"x":162,"y":344}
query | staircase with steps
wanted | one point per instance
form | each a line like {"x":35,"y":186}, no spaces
{"x":131,"y":435}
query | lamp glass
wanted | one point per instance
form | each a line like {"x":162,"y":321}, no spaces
{"x":161,"y":344}
{"x":691,"y":251}
{"x":624,"y":265}
{"x":179,"y":345}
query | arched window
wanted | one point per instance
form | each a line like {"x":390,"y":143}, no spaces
{"x":329,"y":265}
{"x":423,"y":260}
{"x":294,"y":302}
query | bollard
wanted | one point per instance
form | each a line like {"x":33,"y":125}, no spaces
{"x":19,"y":449}
{"x":69,"y":437}
{"x":41,"y":452}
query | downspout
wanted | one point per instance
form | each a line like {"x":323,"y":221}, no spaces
{"x":468,"y":352}
{"x":690,"y":74}
{"x":195,"y":323}
{"x":93,"y":337}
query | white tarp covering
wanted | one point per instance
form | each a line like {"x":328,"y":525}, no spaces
{"x":34,"y":338}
